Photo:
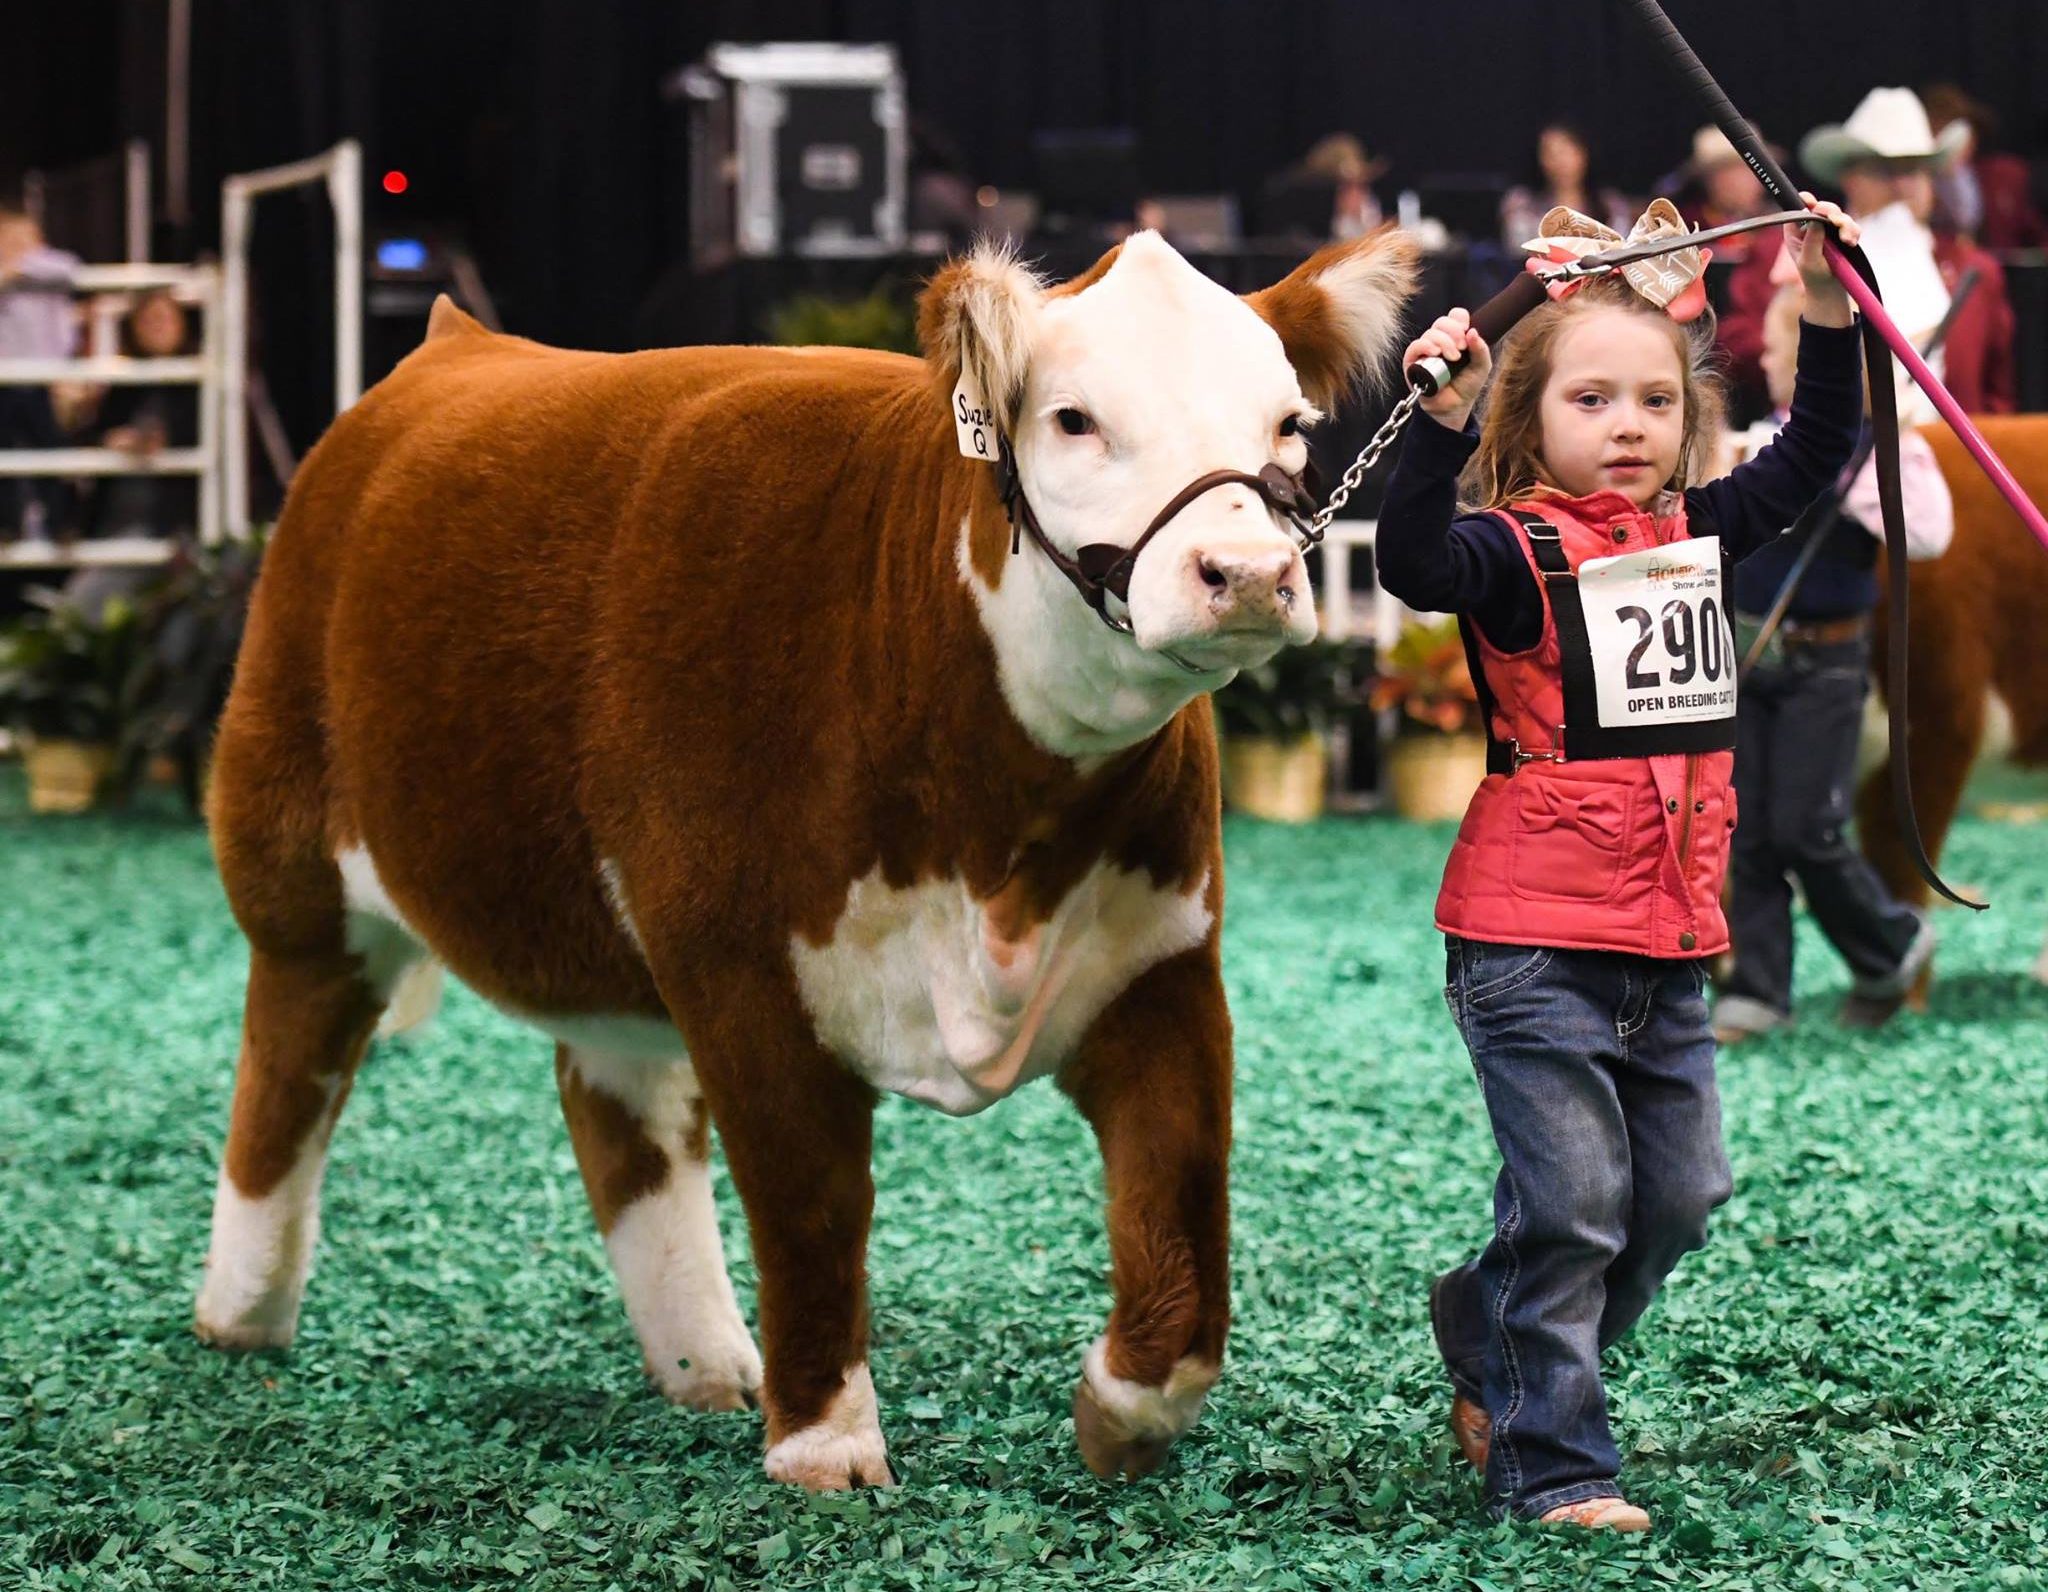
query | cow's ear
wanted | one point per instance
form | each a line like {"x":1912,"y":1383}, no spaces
{"x":1088,"y":278}
{"x":977,"y":317}
{"x":1339,"y":313}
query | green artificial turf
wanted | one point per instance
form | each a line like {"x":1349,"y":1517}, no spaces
{"x":1846,"y":1390}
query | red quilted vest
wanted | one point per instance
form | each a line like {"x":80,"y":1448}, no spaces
{"x":1607,"y":854}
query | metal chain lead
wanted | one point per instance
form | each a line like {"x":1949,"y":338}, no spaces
{"x":1382,"y":439}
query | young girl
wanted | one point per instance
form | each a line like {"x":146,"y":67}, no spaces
{"x":1583,"y":890}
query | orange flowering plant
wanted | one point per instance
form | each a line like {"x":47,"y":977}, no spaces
{"x":1425,"y":675}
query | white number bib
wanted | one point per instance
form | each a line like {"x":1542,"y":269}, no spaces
{"x":1657,"y":623}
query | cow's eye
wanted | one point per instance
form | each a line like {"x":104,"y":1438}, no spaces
{"x":1074,"y":422}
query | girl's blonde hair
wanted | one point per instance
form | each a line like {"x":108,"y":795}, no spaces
{"x":1508,"y":465}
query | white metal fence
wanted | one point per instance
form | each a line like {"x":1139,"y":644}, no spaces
{"x":219,"y":458}
{"x":1380,"y":620}
{"x":111,"y":288}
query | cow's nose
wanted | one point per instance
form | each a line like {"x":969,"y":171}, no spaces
{"x":1247,"y":585}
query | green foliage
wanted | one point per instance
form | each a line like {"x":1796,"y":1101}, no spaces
{"x":191,"y":624}
{"x":63,"y":666}
{"x":1843,"y":1391}
{"x":880,"y":319}
{"x":1299,"y":691}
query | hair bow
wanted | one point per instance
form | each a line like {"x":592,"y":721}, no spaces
{"x":1674,"y":282}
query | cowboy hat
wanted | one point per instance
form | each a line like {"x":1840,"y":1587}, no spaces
{"x":1710,"y":148}
{"x":1340,"y":157}
{"x":1890,"y":125}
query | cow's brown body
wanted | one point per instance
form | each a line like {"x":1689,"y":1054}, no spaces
{"x":658,"y":694}
{"x":549,"y":628}
{"x":1975,"y":631}
{"x":532,"y":609}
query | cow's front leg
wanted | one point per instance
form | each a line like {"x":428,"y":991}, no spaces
{"x":797,"y":1129}
{"x":1153,"y":1080}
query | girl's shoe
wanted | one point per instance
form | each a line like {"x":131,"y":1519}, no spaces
{"x":1599,"y":1514}
{"x":1473,"y":1429}
{"x":1471,"y":1426}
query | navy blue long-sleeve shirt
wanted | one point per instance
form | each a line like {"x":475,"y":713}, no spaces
{"x":1433,"y":559}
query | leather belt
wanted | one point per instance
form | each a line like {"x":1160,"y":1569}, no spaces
{"x":1825,"y":632}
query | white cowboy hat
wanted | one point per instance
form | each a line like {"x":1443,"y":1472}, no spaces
{"x":1890,"y":124}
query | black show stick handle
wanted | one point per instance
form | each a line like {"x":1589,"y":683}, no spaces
{"x":1747,"y":141}
{"x":1493,"y":320}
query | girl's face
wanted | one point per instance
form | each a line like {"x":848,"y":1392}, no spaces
{"x":1562,"y":158}
{"x":1613,"y":411}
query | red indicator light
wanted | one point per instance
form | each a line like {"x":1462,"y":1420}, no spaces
{"x":395,"y":182}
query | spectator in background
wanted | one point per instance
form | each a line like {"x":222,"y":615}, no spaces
{"x":36,"y":322}
{"x":1984,"y":195}
{"x":1799,"y":717}
{"x":1716,"y":187}
{"x":1564,"y":175}
{"x":1884,"y":153}
{"x":1341,"y":160}
{"x":1327,"y":194}
{"x":1979,"y":356}
{"x":145,"y":419}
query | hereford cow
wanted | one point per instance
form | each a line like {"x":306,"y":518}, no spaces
{"x":697,"y":707}
{"x":1975,"y":620}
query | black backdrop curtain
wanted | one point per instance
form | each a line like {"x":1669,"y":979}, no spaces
{"x":535,"y":127}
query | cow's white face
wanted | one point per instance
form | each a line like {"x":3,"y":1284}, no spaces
{"x":1137,"y":385}
{"x":1118,"y":391}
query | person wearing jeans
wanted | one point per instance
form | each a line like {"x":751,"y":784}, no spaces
{"x":1598,"y":1075}
{"x":1798,"y":720}
{"x":1588,"y":564}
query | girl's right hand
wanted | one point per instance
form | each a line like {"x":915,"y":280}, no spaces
{"x":1448,"y":337}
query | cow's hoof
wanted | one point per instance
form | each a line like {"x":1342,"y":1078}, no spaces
{"x":727,"y":1380}
{"x":1110,"y":1448}
{"x":843,"y":1448}
{"x":834,"y":1466}
{"x":244,"y":1335}
{"x":1125,"y":1428}
{"x":233,"y":1314}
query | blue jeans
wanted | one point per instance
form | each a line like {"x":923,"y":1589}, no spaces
{"x":1798,"y":720}
{"x":1598,"y":1073}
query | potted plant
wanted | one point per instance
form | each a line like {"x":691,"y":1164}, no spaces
{"x":879,"y":319}
{"x":1274,"y":721}
{"x":189,"y":631}
{"x":62,"y":669}
{"x":1439,"y":754}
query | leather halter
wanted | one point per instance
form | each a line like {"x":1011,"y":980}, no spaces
{"x":1101,"y":570}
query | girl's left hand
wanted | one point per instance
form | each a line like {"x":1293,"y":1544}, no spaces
{"x":1827,"y":304}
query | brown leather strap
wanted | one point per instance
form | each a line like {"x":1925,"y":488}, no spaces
{"x":1824,"y":632}
{"x":1111,"y":565}
{"x":1884,"y":421}
{"x":1101,"y":569}
{"x":1626,"y":253}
